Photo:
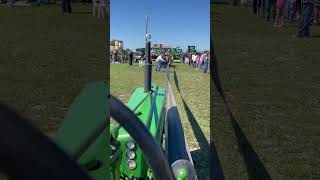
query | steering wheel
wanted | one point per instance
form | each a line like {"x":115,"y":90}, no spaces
{"x":26,"y":153}
{"x":138,"y":131}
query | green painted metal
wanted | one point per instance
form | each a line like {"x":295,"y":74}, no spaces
{"x":143,"y":103}
{"x":144,"y":97}
{"x":115,"y":161}
{"x":102,"y":161}
{"x":115,"y":157}
{"x":87,"y":112}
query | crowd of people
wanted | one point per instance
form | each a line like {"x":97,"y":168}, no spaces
{"x":305,"y":11}
{"x":198,"y":60}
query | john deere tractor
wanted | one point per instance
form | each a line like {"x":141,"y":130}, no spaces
{"x":145,"y":140}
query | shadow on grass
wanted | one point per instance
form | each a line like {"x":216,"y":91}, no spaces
{"x":203,"y":143}
{"x":255,"y":167}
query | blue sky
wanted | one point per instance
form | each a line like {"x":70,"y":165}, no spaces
{"x":173,"y":22}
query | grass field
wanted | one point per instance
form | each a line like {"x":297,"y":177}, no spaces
{"x":193,"y":103}
{"x":271,"y":81}
{"x":47,"y":57}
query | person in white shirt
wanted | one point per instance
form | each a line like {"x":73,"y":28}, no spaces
{"x":160,"y":60}
{"x":194,"y":59}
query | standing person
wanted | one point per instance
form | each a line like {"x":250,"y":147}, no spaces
{"x":307,"y":11}
{"x":198,"y":61}
{"x":280,"y":10}
{"x":298,"y":9}
{"x":183,"y":58}
{"x":121,"y":59}
{"x":194,"y":58}
{"x":205,"y":63}
{"x":186,"y":58}
{"x":292,"y":7}
{"x":263,"y":8}
{"x":296,"y":12}
{"x":115,"y":56}
{"x":66,"y":6}
{"x":316,"y":17}
{"x":201,"y":60}
{"x":130,"y":59}
{"x":271,"y":10}
{"x":254,"y":7}
{"x":209,"y":60}
{"x":258,"y":7}
{"x":160,"y":60}
{"x":190,"y":59}
{"x":291,"y":4}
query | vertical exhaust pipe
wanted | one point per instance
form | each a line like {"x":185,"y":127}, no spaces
{"x":147,"y":68}
{"x":148,"y":64}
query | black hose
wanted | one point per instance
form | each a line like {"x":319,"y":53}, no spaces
{"x":25,"y":153}
{"x":151,"y":150}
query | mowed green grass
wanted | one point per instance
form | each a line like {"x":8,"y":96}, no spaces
{"x":47,"y":57}
{"x":271,"y":81}
{"x":192,"y":101}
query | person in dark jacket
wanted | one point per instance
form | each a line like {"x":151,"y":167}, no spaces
{"x":66,"y":6}
{"x":130,"y":58}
